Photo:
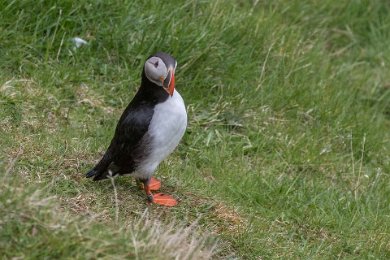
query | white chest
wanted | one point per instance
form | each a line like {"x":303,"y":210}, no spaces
{"x":165,"y":131}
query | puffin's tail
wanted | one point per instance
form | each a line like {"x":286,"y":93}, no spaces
{"x":96,"y":174}
{"x":99,"y":172}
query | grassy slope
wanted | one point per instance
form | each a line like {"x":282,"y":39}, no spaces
{"x":287,"y":151}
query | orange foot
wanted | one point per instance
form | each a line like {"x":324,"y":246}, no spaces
{"x":154,"y":184}
{"x":164,"y":200}
{"x":159,"y":198}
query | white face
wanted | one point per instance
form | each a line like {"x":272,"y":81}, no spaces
{"x":155,"y":70}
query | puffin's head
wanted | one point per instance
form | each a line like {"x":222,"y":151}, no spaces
{"x":160,"y":69}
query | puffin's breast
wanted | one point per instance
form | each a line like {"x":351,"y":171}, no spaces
{"x":165,"y":131}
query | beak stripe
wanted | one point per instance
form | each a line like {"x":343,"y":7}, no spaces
{"x":171,"y":87}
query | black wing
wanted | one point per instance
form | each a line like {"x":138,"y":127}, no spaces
{"x":127,"y":146}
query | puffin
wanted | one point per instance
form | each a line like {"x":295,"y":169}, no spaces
{"x":149,"y":129}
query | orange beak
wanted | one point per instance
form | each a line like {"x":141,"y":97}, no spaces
{"x":171,"y":86}
{"x":169,"y":82}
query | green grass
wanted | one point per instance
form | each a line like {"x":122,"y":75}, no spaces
{"x":287,"y":153}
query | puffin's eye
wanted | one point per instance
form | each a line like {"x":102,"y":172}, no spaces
{"x":156,"y":64}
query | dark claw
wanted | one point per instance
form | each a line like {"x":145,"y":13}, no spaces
{"x":150,"y":198}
